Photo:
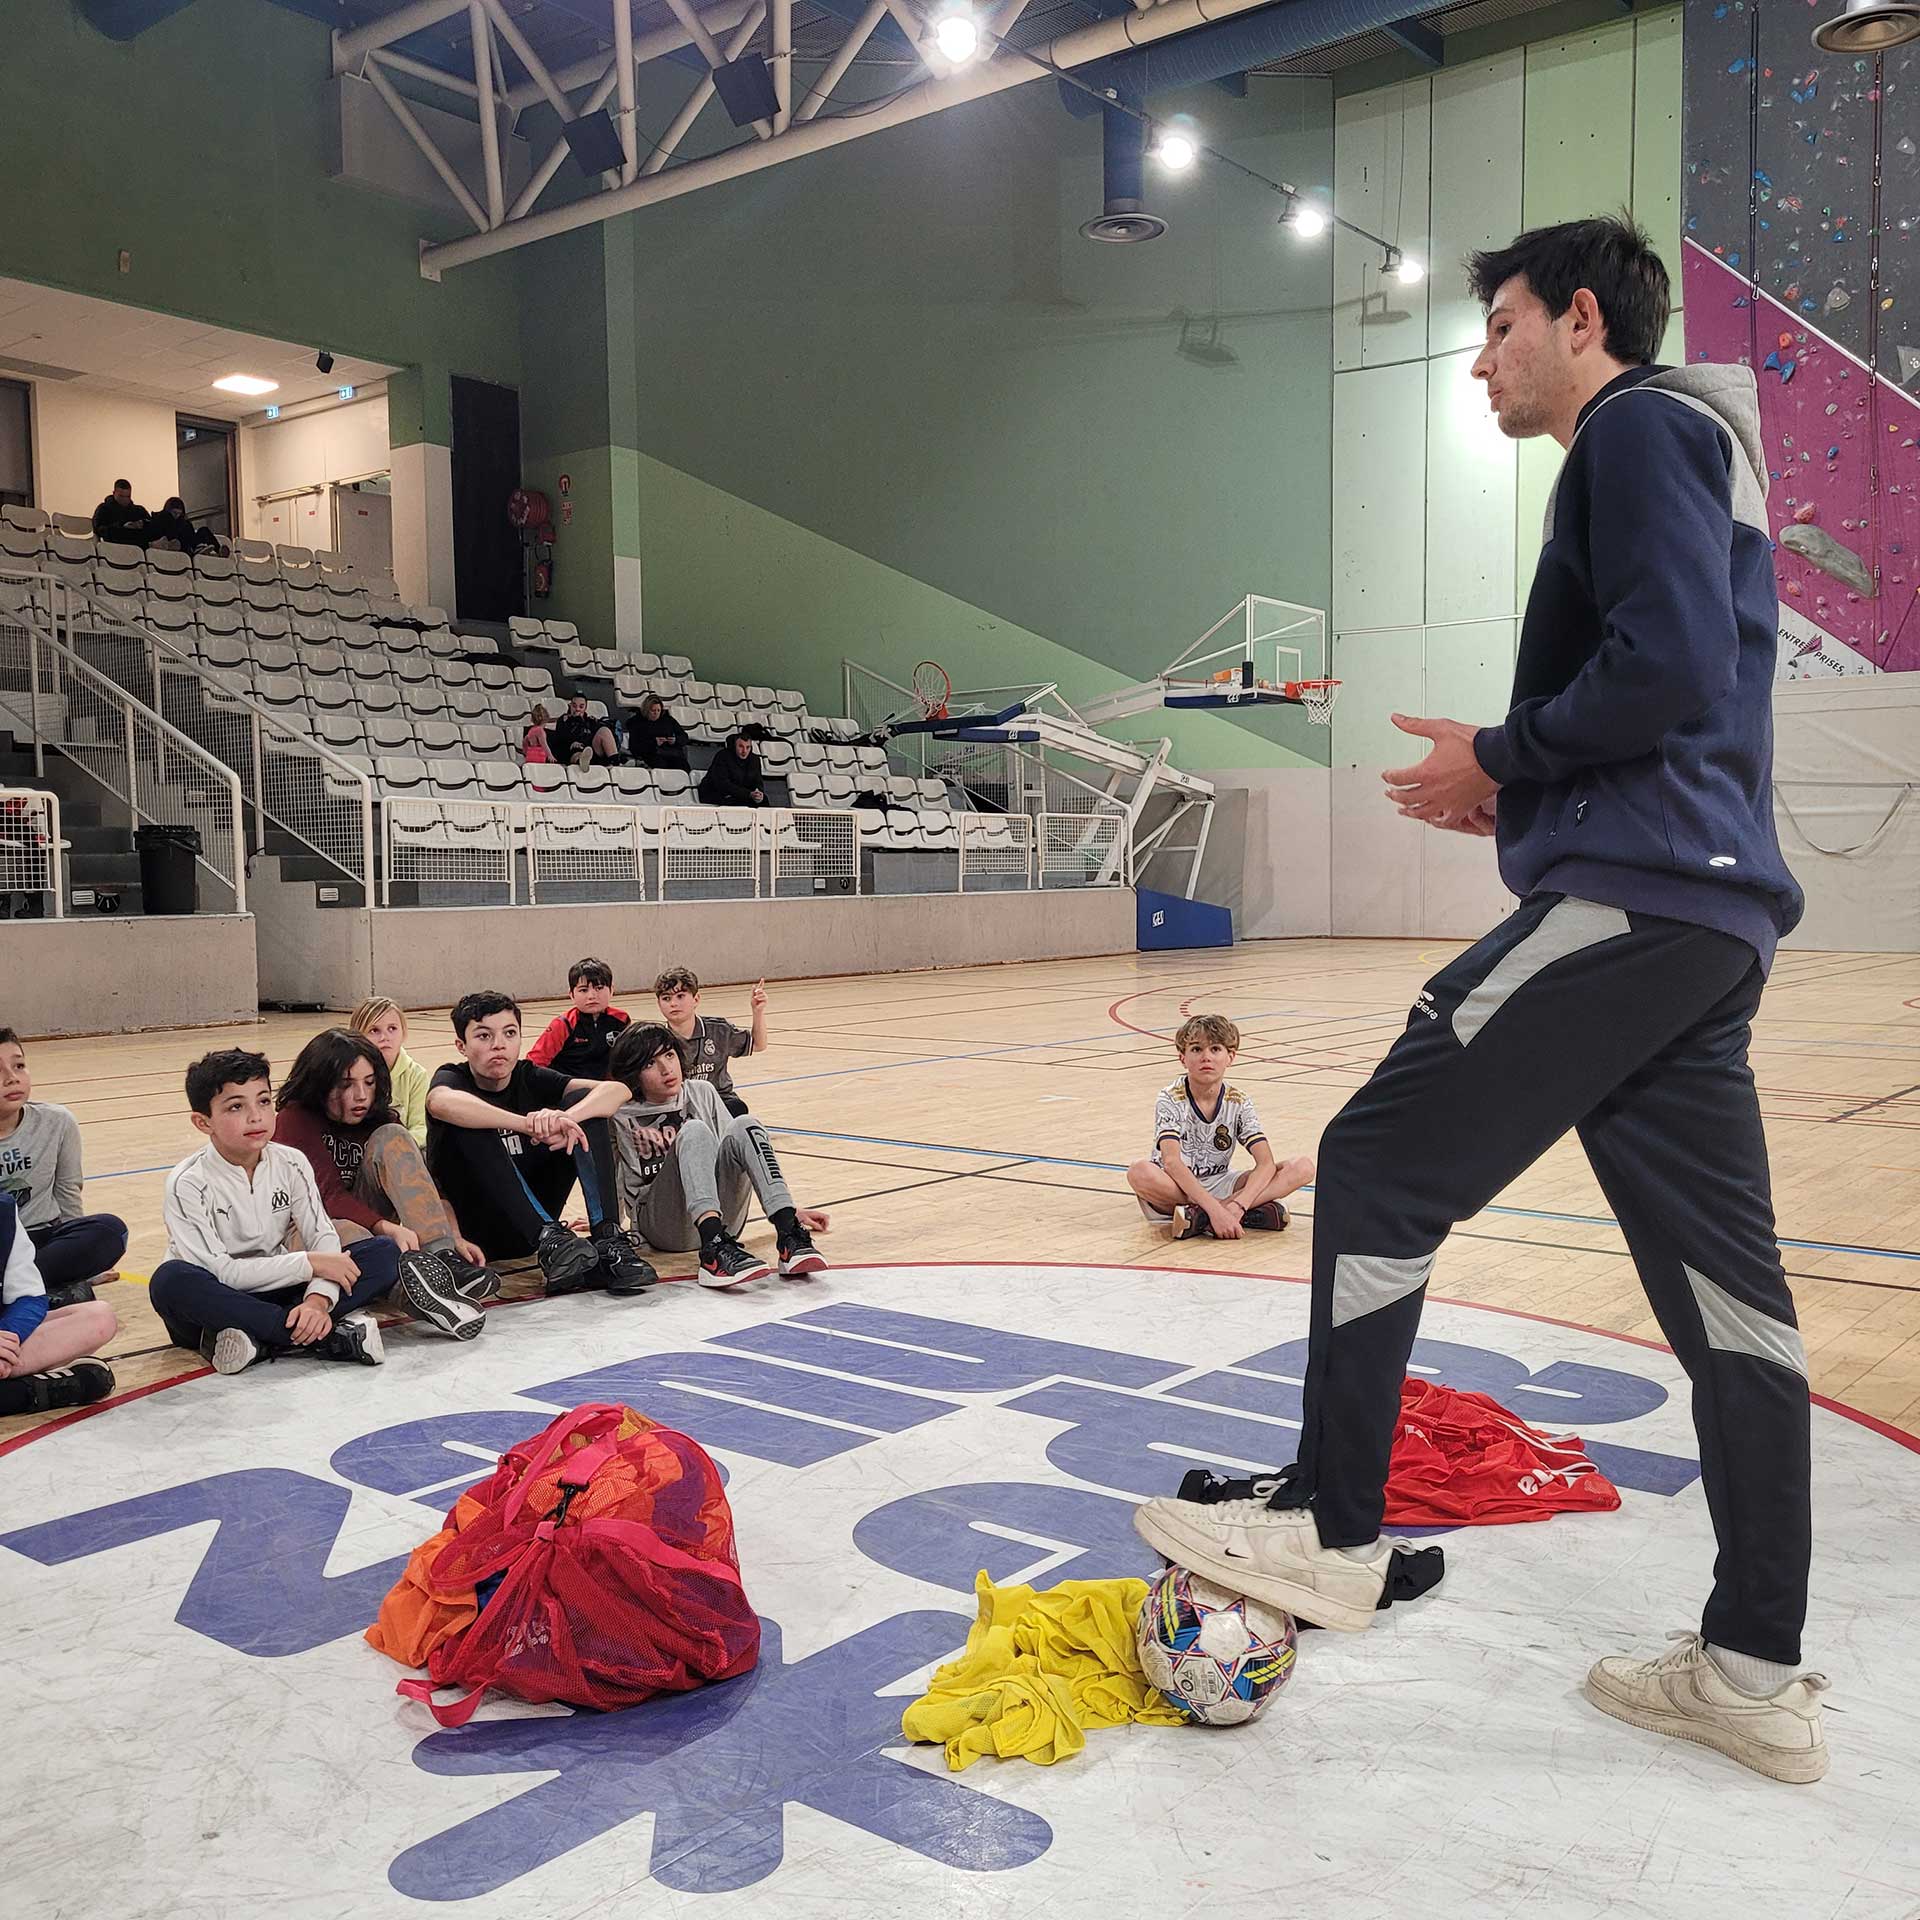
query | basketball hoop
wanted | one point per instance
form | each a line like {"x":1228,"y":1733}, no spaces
{"x":1317,"y":696}
{"x":931,"y":690}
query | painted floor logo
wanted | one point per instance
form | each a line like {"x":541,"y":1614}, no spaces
{"x":877,"y":1455}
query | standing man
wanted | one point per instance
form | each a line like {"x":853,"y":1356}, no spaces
{"x":1629,"y":790}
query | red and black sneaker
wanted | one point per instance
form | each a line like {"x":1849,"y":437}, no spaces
{"x":724,"y":1262}
{"x":1268,"y":1217}
{"x":799,"y":1256}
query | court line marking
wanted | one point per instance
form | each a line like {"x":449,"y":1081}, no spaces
{"x":1872,"y":1422}
{"x":1120,"y":1166}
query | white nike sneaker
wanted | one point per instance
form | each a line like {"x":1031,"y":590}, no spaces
{"x":1684,"y":1694}
{"x":1270,"y":1554}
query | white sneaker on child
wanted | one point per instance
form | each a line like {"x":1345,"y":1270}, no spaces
{"x":1684,"y":1694}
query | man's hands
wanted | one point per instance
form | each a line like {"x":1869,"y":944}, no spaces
{"x":1449,"y":788}
{"x":312,"y":1319}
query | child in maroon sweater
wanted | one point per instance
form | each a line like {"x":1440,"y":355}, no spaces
{"x":335,"y":1107}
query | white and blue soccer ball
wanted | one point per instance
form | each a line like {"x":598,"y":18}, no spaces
{"x":1216,"y":1656}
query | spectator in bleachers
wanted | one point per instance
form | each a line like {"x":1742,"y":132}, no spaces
{"x":536,"y":744}
{"x":171,"y":526}
{"x":735,"y":779}
{"x":120,"y":519}
{"x":654,"y":737}
{"x":580,"y":740}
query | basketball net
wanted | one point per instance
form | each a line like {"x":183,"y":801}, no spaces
{"x":931,"y":690}
{"x":1317,"y":697}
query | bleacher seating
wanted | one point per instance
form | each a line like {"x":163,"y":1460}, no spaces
{"x":432,"y":715}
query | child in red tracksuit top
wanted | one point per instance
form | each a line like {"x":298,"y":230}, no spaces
{"x":579,"y":1041}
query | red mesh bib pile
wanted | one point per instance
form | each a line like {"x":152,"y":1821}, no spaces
{"x":613,"y":1545}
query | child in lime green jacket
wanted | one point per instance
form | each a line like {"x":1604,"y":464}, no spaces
{"x":383,"y":1022}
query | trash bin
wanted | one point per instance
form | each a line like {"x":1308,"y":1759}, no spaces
{"x":169,"y":882}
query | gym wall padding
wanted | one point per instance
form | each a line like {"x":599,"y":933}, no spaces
{"x":1846,"y":773}
{"x":1436,"y":517}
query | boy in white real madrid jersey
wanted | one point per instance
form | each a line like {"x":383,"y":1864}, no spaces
{"x":1198,"y":1122}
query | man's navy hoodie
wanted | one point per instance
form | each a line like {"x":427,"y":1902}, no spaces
{"x":1636,"y":763}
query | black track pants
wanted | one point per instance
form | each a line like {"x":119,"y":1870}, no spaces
{"x":1634,"y":1031}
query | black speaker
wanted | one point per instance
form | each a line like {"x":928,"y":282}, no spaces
{"x":594,"y":142}
{"x":746,"y":90}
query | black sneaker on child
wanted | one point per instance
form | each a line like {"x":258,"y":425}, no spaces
{"x":70,"y":1293}
{"x":79,"y":1384}
{"x":425,"y":1288}
{"x":572,"y":1265}
{"x":355,"y":1339}
{"x":625,"y":1268}
{"x":724,"y":1262}
{"x":478,"y":1284}
{"x":798,"y":1255}
{"x":1268,"y":1217}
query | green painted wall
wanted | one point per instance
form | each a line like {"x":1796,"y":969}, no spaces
{"x":202,"y":148}
{"x":802,"y":603}
{"x":904,"y":348}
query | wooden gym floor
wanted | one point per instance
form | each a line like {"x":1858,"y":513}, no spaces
{"x":987,"y":1113}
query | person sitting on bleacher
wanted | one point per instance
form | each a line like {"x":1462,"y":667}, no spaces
{"x":654,"y":737}
{"x":119,"y":520}
{"x":580,"y":740}
{"x":171,"y":525}
{"x":735,"y":779}
{"x":536,"y":744}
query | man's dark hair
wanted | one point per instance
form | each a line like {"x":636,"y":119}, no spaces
{"x":638,"y":1048}
{"x":478,"y":1006}
{"x":118,"y":484}
{"x":213,"y":1073}
{"x":1610,"y":257}
{"x":592,"y":973}
{"x":323,"y":1063}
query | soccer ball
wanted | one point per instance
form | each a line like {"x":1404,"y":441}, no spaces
{"x":1216,"y":1656}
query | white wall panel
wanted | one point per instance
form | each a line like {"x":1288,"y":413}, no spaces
{"x":1471,"y":482}
{"x":1479,"y":117}
{"x":1380,"y":675}
{"x":1376,"y":859}
{"x":1469,"y":671}
{"x":1380,"y":152}
{"x":1379,"y":492}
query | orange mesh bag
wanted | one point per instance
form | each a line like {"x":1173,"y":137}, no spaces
{"x":604,"y":1549}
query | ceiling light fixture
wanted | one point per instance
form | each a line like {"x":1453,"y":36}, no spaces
{"x":1869,"y":26}
{"x":1176,"y":151}
{"x":246,"y":383}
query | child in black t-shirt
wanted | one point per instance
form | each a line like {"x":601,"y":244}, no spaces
{"x":579,"y":1041}
{"x":504,"y":1153}
{"x":709,"y":1041}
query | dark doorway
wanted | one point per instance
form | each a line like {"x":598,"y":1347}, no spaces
{"x":16,"y":445}
{"x":486,"y":468}
{"x":206,"y":452}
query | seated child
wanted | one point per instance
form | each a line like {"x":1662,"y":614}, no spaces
{"x":687,"y":1167}
{"x":708,"y":1041}
{"x":1197,"y":1123}
{"x":334,"y":1109}
{"x":44,"y":1363}
{"x":505,"y":1152}
{"x":40,"y":1167}
{"x":232,"y":1287}
{"x":383,"y":1022}
{"x":578,"y":1041}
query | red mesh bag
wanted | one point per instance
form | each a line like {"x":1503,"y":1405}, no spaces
{"x":613,"y":1546}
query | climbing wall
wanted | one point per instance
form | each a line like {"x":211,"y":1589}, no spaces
{"x":1801,"y":257}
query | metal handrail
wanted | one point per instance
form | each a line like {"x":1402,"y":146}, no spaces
{"x":260,"y":717}
{"x":131,"y":709}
